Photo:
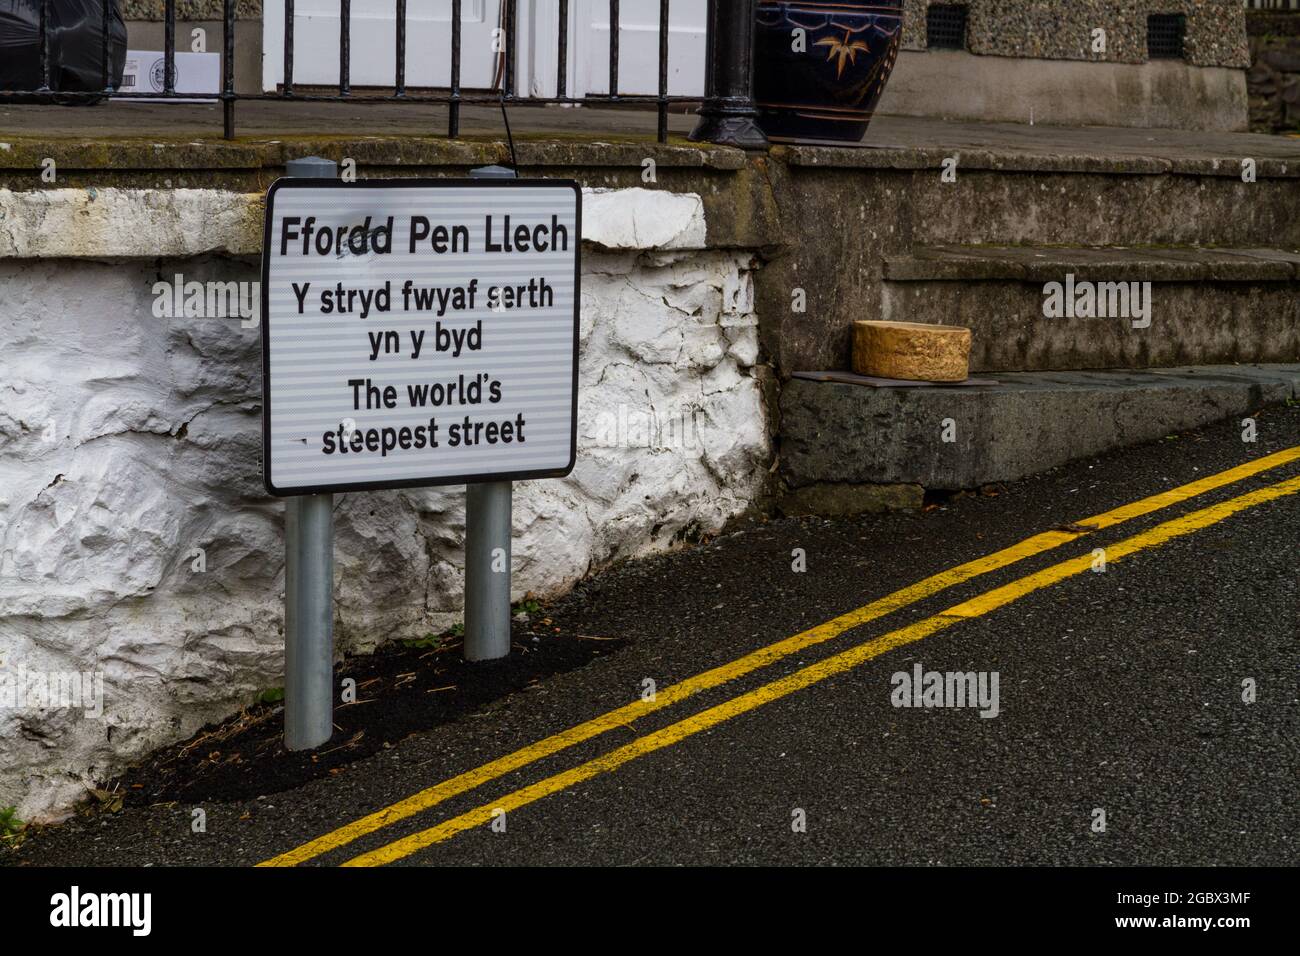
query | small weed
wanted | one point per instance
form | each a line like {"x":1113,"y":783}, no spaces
{"x":272,"y":695}
{"x":11,"y":828}
{"x":434,"y":642}
{"x":529,"y":605}
{"x":430,"y":642}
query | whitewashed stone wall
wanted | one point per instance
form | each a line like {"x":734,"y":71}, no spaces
{"x":127,"y":441}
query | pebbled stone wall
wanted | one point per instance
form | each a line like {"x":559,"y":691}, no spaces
{"x":1062,"y":29}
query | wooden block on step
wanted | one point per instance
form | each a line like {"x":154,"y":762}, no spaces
{"x":912,"y":350}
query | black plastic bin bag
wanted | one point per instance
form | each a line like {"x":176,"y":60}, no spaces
{"x":76,"y":54}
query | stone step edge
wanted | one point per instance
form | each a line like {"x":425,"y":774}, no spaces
{"x":1116,"y":264}
{"x":1225,"y":168}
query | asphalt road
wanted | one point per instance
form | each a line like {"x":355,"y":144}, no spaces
{"x":1119,"y":691}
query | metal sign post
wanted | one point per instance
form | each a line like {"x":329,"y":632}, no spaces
{"x":415,"y":332}
{"x":487,"y":570}
{"x":309,"y":588}
{"x":487,"y":546}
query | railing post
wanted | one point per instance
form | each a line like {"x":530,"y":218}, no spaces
{"x":104,"y":47}
{"x":508,"y":64}
{"x":613,"y":48}
{"x":345,"y":47}
{"x":44,"y":39}
{"x":287,"y":82}
{"x":228,"y":68}
{"x":169,"y":47}
{"x":399,"y":81}
{"x":453,"y":106}
{"x":662,"y":132}
{"x":727,"y":114}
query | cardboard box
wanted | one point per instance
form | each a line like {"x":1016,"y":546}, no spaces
{"x":196,"y":73}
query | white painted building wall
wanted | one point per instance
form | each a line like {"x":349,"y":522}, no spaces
{"x":127,"y":441}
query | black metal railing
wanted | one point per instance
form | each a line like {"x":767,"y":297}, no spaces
{"x":726,"y":112}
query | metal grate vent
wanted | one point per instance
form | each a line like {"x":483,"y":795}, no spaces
{"x":945,"y":26}
{"x":1165,"y":32}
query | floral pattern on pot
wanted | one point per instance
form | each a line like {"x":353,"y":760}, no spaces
{"x":823,"y":85}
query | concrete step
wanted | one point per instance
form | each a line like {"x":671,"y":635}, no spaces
{"x":839,"y":213}
{"x":1159,"y":307}
{"x":1016,"y":184}
{"x":1128,"y":205}
{"x":839,"y":443}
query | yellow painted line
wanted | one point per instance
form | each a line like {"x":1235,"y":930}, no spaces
{"x":814,"y":673}
{"x":623,"y":716}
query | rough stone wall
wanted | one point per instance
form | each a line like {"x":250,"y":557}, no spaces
{"x":127,"y":441}
{"x":1274,"y":78}
{"x":1062,"y":29}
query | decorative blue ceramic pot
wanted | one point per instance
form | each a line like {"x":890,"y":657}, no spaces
{"x":823,"y":85}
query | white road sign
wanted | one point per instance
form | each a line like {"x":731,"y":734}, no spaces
{"x":418,"y":332}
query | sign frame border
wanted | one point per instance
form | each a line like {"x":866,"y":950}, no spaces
{"x":295,"y":182}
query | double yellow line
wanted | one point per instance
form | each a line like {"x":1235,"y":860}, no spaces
{"x":623,"y":716}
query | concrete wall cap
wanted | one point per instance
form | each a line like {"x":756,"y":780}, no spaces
{"x":117,"y":223}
